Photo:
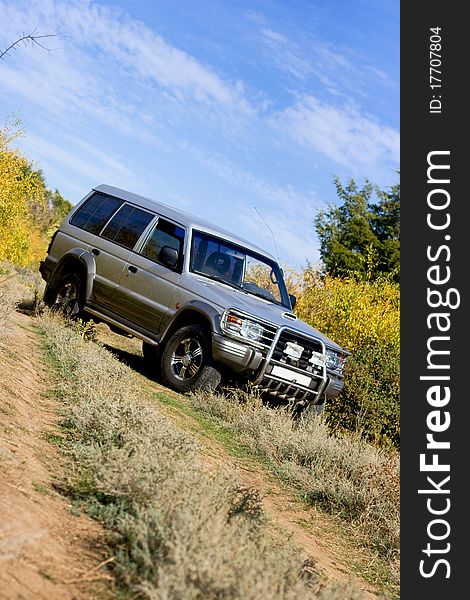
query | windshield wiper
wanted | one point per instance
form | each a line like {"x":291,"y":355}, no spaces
{"x":221,"y":280}
{"x":264,"y":296}
{"x":260,"y":295}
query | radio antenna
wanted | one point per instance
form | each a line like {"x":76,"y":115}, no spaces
{"x":270,"y":230}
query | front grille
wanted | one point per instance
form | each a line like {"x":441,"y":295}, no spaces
{"x":296,"y":379}
{"x":269,"y":333}
{"x":309,"y":345}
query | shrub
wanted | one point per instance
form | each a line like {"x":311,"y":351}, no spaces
{"x":20,"y":190}
{"x":340,"y":474}
{"x":29,"y":212}
{"x":362,"y":316}
{"x":351,"y":312}
{"x":370,"y":401}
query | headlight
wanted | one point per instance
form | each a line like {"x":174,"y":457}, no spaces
{"x":236,"y":325}
{"x":252,"y":331}
{"x":335,"y":360}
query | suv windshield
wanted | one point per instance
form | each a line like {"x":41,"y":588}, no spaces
{"x":238,"y":267}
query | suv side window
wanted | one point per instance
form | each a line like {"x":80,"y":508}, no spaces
{"x":127,"y":225}
{"x":165,"y":234}
{"x":93,"y":215}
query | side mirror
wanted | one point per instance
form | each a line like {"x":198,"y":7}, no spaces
{"x":168,"y":257}
{"x":293,"y":300}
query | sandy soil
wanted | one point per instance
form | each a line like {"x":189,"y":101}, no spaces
{"x":45,"y":550}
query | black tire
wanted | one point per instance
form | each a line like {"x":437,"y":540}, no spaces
{"x":186,"y":363}
{"x":67,"y":296}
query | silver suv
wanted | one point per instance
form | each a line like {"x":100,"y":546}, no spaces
{"x":205,"y":303}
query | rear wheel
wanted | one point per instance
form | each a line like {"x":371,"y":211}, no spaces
{"x":186,"y":362}
{"x":67,"y":295}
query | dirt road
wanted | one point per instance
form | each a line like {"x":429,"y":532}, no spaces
{"x":47,"y":548}
{"x":46,"y":551}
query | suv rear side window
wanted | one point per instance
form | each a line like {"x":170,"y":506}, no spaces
{"x":165,"y":234}
{"x":93,"y":215}
{"x":126,"y":227}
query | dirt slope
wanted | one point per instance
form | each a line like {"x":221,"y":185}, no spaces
{"x":45,"y":551}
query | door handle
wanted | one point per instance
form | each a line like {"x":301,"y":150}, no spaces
{"x":95,"y":251}
{"x":132,"y":269}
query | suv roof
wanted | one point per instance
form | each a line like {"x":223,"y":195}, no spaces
{"x":181,"y":216}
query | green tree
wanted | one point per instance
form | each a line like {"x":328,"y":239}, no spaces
{"x":361,"y":236}
{"x":55,"y":207}
{"x":385,"y":224}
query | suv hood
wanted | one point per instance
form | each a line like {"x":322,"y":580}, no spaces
{"x":226,"y":297}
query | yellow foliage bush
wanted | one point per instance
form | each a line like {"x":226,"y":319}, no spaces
{"x":364,"y":317}
{"x":351,"y":312}
{"x":20,"y":190}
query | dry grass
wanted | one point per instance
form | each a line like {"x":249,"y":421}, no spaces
{"x":18,"y":286}
{"x":179,"y":530}
{"x":9,"y":292}
{"x":128,"y":461}
{"x":341,"y":474}
{"x":7,"y":305}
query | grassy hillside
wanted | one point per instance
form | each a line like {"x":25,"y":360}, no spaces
{"x":179,"y":529}
{"x":142,"y":476}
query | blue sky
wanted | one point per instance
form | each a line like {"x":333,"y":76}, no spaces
{"x":226,"y":109}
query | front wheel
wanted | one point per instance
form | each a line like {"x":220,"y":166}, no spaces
{"x":186,"y":362}
{"x":67,"y":295}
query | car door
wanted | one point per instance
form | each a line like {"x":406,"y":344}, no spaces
{"x":112,"y":249}
{"x":151,"y":275}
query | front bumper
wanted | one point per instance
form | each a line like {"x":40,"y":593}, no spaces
{"x":333,"y":387}
{"x":273,"y":373}
{"x":236,"y":356}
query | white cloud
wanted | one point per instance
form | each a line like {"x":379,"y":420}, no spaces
{"x":285,"y":54}
{"x":69,"y":94}
{"x":274,"y":36}
{"x":130,"y":43}
{"x":244,"y":179}
{"x":109,"y":67}
{"x":320,"y":59}
{"x":257,"y":17}
{"x":88,"y":161}
{"x":315,"y":63}
{"x":351,"y":138}
{"x":380,"y":74}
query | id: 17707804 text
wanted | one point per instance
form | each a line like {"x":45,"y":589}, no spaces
{"x":435,"y":69}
